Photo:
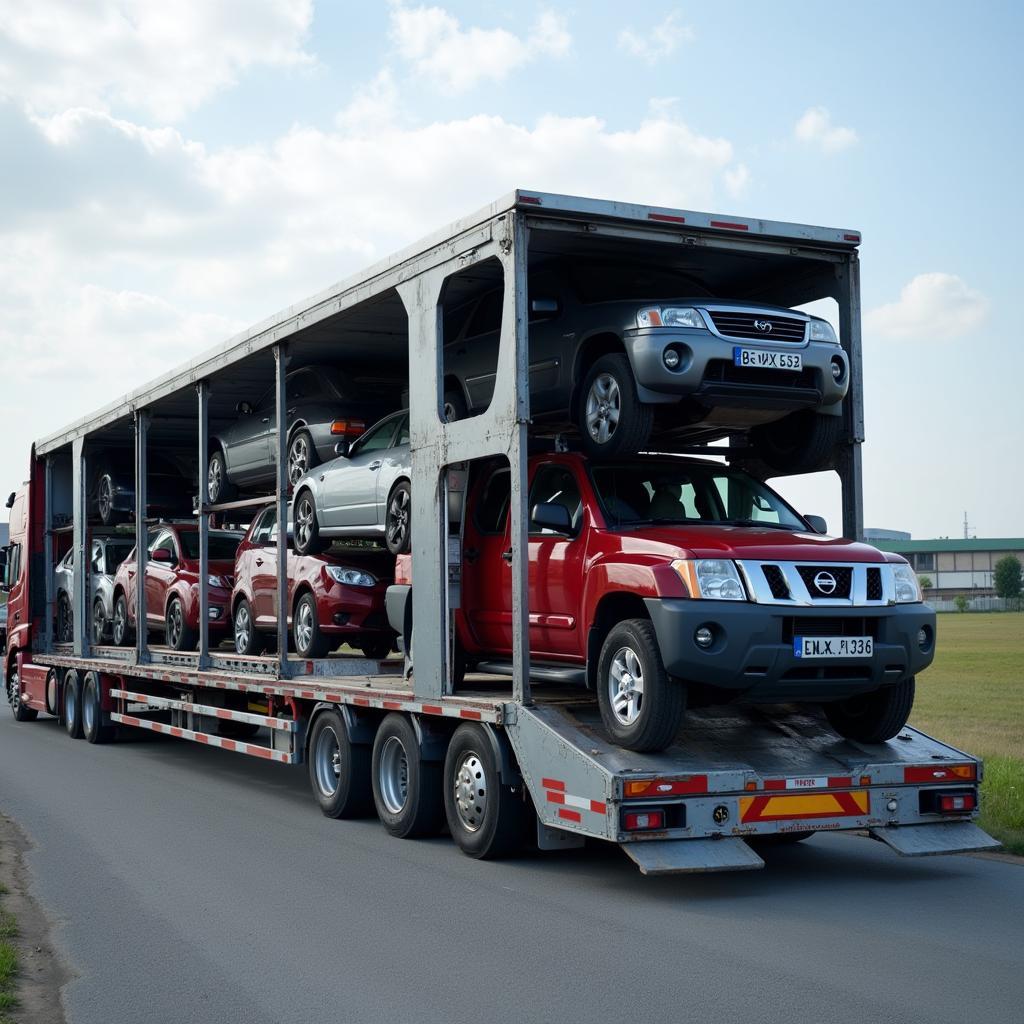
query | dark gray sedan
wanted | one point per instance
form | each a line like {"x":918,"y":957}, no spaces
{"x":324,"y":407}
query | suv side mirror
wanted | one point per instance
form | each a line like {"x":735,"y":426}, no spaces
{"x":244,"y":409}
{"x":342,"y":448}
{"x":817,"y":524}
{"x":165,"y":555}
{"x":549,"y":515}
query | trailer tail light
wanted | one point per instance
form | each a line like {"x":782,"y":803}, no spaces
{"x":347,"y":428}
{"x":643,"y":821}
{"x":948,"y":801}
{"x":940,"y":773}
{"x":952,"y":803}
{"x":666,"y":787}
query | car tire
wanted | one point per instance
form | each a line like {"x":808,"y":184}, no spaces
{"x":218,"y":487}
{"x":65,"y":620}
{"x":455,"y":407}
{"x":178,"y":634}
{"x":873,"y":717}
{"x":105,"y":510}
{"x":377,"y":650}
{"x":306,"y":529}
{"x":398,"y":519}
{"x":94,"y":729}
{"x":71,"y":703}
{"x":302,"y":456}
{"x":99,"y":623}
{"x":339,"y":770}
{"x":610,"y":417}
{"x":18,"y":709}
{"x":802,"y":442}
{"x":248,"y":639}
{"x":407,"y":790}
{"x":641,"y":705}
{"x":310,"y":640}
{"x":486,"y":817}
{"x":121,"y":632}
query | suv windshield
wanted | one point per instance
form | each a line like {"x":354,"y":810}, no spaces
{"x":671,"y":492}
{"x":222,"y":545}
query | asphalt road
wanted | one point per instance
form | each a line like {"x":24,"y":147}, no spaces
{"x":193,"y":884}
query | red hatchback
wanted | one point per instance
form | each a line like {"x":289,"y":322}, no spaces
{"x":172,"y":585}
{"x":332,"y":597}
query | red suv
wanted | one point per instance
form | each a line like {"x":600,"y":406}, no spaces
{"x":332,"y":597}
{"x":172,"y":585}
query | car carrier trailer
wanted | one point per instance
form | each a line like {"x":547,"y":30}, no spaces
{"x":513,"y":750}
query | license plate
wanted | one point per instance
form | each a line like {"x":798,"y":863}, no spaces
{"x":765,"y":359}
{"x":833,"y":646}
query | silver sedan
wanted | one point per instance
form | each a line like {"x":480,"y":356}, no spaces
{"x":107,"y":553}
{"x":363,"y":492}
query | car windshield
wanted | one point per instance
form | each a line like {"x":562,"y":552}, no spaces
{"x":222,"y":545}
{"x":613,"y":282}
{"x":116,"y":554}
{"x":676,"y":492}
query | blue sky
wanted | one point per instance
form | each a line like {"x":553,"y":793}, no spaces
{"x":174,"y":172}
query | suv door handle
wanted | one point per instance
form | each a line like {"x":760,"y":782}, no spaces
{"x":507,"y":555}
{"x":266,"y":419}
{"x":375,"y":465}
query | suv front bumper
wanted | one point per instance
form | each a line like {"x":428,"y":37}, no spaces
{"x":752,"y":653}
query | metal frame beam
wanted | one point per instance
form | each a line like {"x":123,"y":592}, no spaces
{"x":203,"y":395}
{"x":849,"y":458}
{"x":141,"y":537}
{"x":79,"y":541}
{"x":48,"y":554}
{"x":281,"y":500}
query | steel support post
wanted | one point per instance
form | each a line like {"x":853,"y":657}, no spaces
{"x":849,"y":460}
{"x":79,"y":541}
{"x":141,"y":536}
{"x":281,"y":496}
{"x":203,"y":394}
{"x":48,"y":559}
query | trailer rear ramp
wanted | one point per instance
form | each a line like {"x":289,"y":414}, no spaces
{"x":736,"y":774}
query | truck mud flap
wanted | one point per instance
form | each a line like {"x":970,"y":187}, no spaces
{"x":929,"y":840}
{"x":680,"y":856}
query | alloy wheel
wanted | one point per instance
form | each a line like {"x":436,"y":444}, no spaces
{"x":304,"y":627}
{"x":304,"y":521}
{"x":398,"y":519}
{"x":243,"y":626}
{"x":626,"y":686}
{"x":105,"y":498}
{"x":604,"y":407}
{"x":298,"y":459}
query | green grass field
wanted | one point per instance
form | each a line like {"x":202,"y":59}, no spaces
{"x":8,"y":962}
{"x":973,"y":697}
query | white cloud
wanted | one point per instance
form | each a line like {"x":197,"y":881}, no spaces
{"x":437,"y":46}
{"x":932,"y":306}
{"x":658,"y":42}
{"x":815,"y":128}
{"x":155,"y":57}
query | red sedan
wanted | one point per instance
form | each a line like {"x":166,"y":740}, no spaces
{"x":172,"y":585}
{"x":332,"y":597}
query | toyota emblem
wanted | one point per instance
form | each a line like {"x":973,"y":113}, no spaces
{"x":825,"y":582}
{"x":764,"y":326}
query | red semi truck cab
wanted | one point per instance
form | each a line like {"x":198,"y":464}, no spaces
{"x":661,"y":580}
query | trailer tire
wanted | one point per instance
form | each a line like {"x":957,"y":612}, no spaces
{"x":121,"y":632}
{"x":398,"y":519}
{"x":18,"y":709}
{"x":307,"y":529}
{"x":801,"y":442}
{"x":310,"y":640}
{"x":180,"y":636}
{"x":486,"y":818}
{"x":52,"y":688}
{"x":407,"y":790}
{"x":644,"y":717}
{"x":93,"y":727}
{"x":339,"y":770}
{"x":873,"y":717}
{"x":72,"y":704}
{"x":609,"y":390}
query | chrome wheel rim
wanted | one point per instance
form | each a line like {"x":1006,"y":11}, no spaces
{"x":243,"y":625}
{"x":69,"y":704}
{"x":105,"y":498}
{"x":604,"y":407}
{"x":393,"y":775}
{"x":99,"y":623}
{"x":398,"y":519}
{"x":174,"y":624}
{"x":304,"y":522}
{"x":470,"y":791}
{"x":298,"y":459}
{"x":626,"y":686}
{"x":88,"y":711}
{"x":327,"y":761}
{"x":120,"y":621}
{"x":214,"y":478}
{"x":304,"y":626}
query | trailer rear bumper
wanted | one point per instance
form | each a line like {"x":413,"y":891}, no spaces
{"x":939,"y":838}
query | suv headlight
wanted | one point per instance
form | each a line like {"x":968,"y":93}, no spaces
{"x":908,"y":589}
{"x":822,"y":330}
{"x":219,"y":581}
{"x":350,"y":577}
{"x":670,"y":316}
{"x":713,"y":578}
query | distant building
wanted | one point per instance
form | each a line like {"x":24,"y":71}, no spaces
{"x":873,"y":533}
{"x":956,"y":566}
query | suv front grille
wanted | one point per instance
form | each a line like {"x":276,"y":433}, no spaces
{"x":874,"y":584}
{"x":818,"y":584}
{"x":728,"y":373}
{"x":816,"y":579}
{"x":741,"y":324}
{"x":831,"y":626}
{"x":776,"y":582}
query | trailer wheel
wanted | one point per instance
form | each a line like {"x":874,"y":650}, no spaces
{"x":18,"y":709}
{"x":339,"y":770}
{"x":179,"y":634}
{"x":610,"y":417}
{"x":873,"y":717}
{"x":73,"y":704}
{"x":310,"y":641}
{"x":485,"y":817}
{"x":120,"y":630}
{"x":248,"y":639}
{"x":407,"y":791}
{"x":398,"y":519}
{"x":65,"y":620}
{"x":307,"y":529}
{"x":801,"y":442}
{"x":641,"y":706}
{"x":93,"y":727}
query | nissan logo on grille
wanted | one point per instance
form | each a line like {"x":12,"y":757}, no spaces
{"x":764,"y":326}
{"x":825,"y":582}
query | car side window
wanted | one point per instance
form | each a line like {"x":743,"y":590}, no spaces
{"x":161,"y":539}
{"x":556,"y":485}
{"x":376,"y":438}
{"x":403,"y":431}
{"x":265,"y":525}
{"x":97,"y":557}
{"x":492,"y":508}
{"x":487,"y":315}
